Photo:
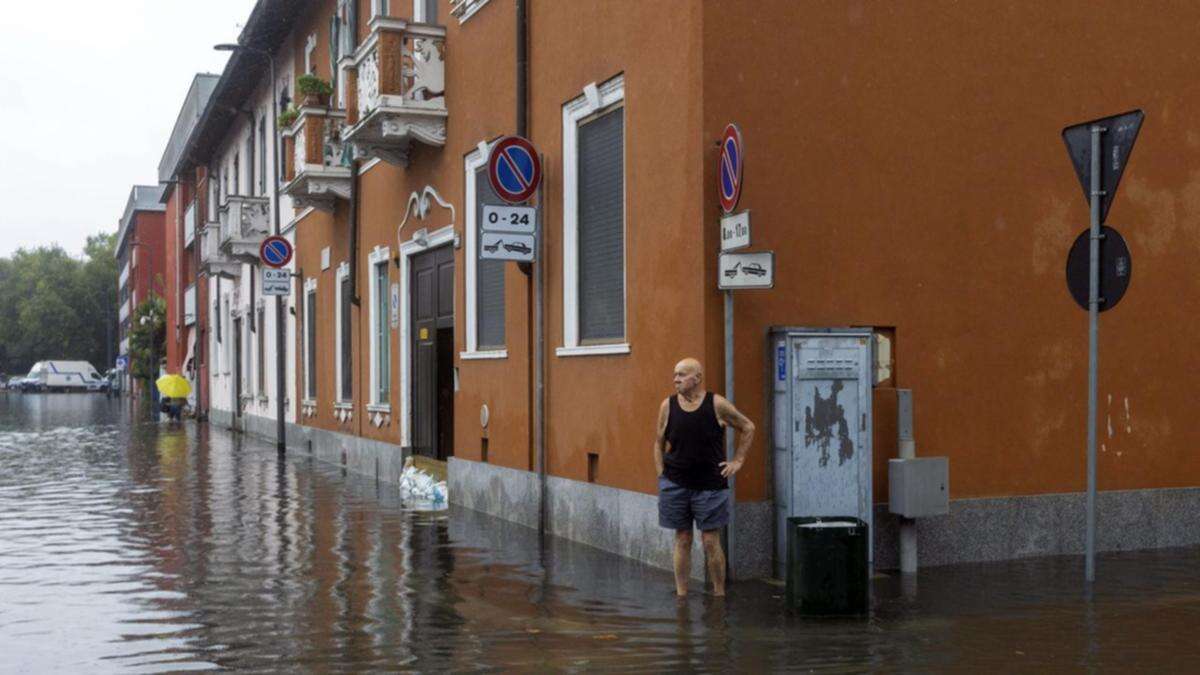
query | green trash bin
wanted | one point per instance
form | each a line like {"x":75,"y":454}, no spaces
{"x":827,"y":571}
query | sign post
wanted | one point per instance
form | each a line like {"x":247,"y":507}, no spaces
{"x":275,"y":253}
{"x":729,"y":189}
{"x":1110,"y":139}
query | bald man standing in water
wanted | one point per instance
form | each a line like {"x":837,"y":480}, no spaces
{"x":693,"y":485}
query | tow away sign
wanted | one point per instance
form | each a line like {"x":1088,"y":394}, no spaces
{"x":276,"y":281}
{"x":746,"y":270}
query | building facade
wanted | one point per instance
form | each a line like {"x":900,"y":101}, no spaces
{"x":184,"y":232}
{"x":141,"y":261}
{"x":918,"y":205}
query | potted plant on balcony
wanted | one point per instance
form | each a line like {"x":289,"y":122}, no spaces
{"x":314,"y":90}
{"x":288,"y":117}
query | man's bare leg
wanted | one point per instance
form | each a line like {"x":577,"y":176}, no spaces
{"x":715,"y":558}
{"x":683,"y":560}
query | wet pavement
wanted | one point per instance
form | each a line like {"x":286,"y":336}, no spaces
{"x":131,"y":546}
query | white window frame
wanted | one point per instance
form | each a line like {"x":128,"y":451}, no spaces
{"x":310,"y":286}
{"x":595,"y":99}
{"x":381,"y":255}
{"x":343,"y":271}
{"x":260,"y":337}
{"x":310,"y":47}
{"x":418,"y":12}
{"x":465,"y":9}
{"x":379,"y":8}
{"x":474,"y":161}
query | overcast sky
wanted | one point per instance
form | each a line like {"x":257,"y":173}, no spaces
{"x":88,"y":96}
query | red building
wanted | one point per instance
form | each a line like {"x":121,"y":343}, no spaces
{"x":141,"y":260}
{"x":183,"y":224}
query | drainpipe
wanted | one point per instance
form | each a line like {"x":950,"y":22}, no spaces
{"x":537,"y":339}
{"x":357,"y":383}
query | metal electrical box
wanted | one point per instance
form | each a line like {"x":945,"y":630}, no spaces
{"x":919,"y":487}
{"x":820,"y":426}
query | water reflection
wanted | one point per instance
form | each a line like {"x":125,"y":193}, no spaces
{"x":135,"y":546}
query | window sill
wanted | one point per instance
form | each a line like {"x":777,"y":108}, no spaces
{"x":343,"y":405}
{"x":309,"y":402}
{"x":380,"y":408}
{"x":482,"y":355}
{"x":593,"y":350}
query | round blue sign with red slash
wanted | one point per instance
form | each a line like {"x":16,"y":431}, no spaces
{"x":514,"y":169}
{"x":275,"y":251}
{"x":730,"y":168}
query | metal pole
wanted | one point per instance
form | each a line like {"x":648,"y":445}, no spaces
{"x":539,"y":372}
{"x":280,"y":328}
{"x":1093,"y":352}
{"x":730,"y":450}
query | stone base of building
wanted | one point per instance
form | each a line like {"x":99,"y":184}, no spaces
{"x":618,"y":521}
{"x":363,"y":456}
{"x":1004,"y":528}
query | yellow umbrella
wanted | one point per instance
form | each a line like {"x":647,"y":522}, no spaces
{"x":173,"y":386}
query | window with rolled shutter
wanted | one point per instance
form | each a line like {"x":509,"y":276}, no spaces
{"x":602,"y":227}
{"x":347,"y":392}
{"x":310,"y":353}
{"x":489,"y":277}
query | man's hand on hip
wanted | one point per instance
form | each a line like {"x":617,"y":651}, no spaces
{"x":731,"y":467}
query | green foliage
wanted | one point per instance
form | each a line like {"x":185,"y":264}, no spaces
{"x":148,"y":337}
{"x":53,"y":306}
{"x":287,"y":118}
{"x":309,"y":84}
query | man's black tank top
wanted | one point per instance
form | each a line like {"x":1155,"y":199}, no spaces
{"x":697,"y":447}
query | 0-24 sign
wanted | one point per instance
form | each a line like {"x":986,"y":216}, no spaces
{"x":521,"y":219}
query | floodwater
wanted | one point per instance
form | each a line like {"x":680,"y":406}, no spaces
{"x":131,"y":546}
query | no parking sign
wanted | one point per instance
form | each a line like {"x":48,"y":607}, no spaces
{"x":514,"y":169}
{"x":730,"y":168}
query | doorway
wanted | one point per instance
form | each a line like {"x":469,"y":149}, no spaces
{"x":431,"y":290}
{"x":237,"y":367}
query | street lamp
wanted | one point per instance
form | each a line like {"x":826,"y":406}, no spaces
{"x":280,"y":442}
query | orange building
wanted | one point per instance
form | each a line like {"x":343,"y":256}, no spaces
{"x":904,"y":165}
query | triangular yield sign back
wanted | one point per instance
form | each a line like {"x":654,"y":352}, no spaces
{"x":1116,"y":143}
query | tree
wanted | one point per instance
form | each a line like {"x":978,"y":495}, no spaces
{"x":148,"y":337}
{"x":54,"y":306}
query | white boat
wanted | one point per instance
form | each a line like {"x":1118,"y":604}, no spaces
{"x":63,"y":376}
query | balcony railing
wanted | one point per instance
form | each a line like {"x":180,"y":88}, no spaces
{"x":189,"y":225}
{"x":244,"y":224}
{"x":316,"y":165}
{"x":395,"y":87}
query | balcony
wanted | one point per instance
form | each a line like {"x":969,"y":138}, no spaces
{"x":245,"y":223}
{"x":395,"y":87}
{"x":213,"y":260}
{"x":315,"y":172}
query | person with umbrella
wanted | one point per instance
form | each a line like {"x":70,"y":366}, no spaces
{"x":175,"y":390}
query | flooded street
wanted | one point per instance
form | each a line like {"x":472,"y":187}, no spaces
{"x":131,"y":546}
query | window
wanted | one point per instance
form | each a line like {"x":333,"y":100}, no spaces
{"x":425,"y":11}
{"x":381,"y":368}
{"x":260,"y":333}
{"x":250,"y":163}
{"x":594,"y":222}
{"x":310,"y":46}
{"x":310,"y":339}
{"x":214,"y":191}
{"x":237,"y":175}
{"x":484,"y":278}
{"x":344,"y":336}
{"x":262,"y":155}
{"x":379,"y":7}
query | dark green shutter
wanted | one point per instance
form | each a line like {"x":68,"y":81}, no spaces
{"x":602,"y":228}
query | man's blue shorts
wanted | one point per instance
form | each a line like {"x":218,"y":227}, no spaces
{"x":679,"y":507}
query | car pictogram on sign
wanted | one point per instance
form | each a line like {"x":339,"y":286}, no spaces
{"x":517,"y":247}
{"x":755,"y":269}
